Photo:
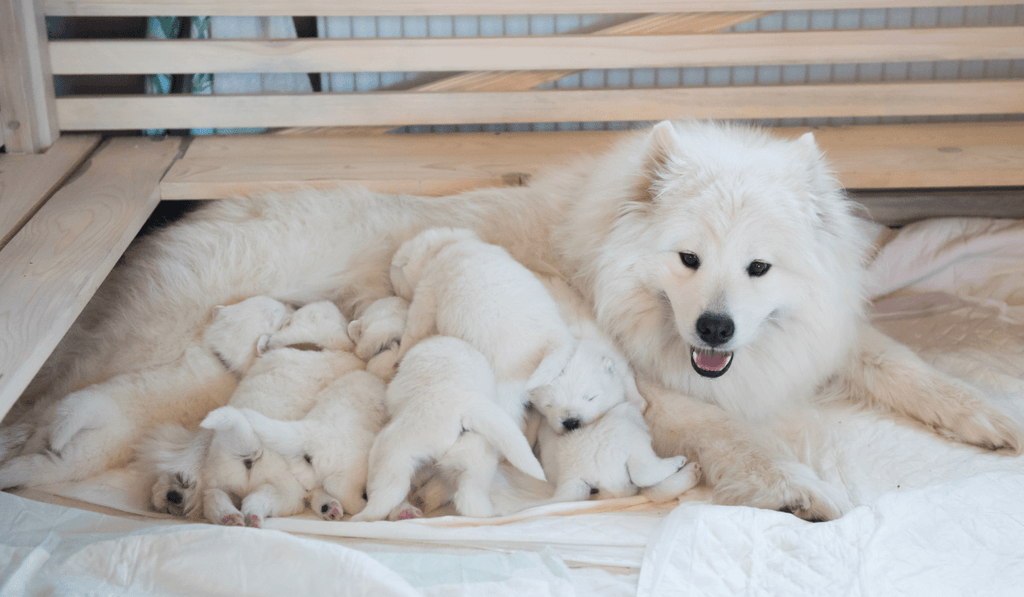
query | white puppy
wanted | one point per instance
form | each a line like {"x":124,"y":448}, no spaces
{"x":443,"y":409}
{"x":97,"y":427}
{"x":611,"y":458}
{"x":461,"y":287}
{"x":329,"y":448}
{"x":296,"y":363}
{"x":378,"y":333}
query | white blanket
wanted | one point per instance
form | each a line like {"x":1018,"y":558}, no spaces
{"x":933,"y":517}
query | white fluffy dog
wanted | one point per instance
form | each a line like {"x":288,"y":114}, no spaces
{"x":378,"y":334}
{"x":328,"y":449}
{"x":444,"y":410}
{"x":612,"y":458}
{"x":295,"y":363}
{"x":97,"y":427}
{"x":726,"y":263}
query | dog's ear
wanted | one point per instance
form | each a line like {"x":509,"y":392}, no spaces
{"x":551,"y":366}
{"x":263,"y":344}
{"x":355,"y":330}
{"x":661,"y":146}
{"x":608,"y":364}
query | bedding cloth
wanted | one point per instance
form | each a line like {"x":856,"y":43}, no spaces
{"x":933,"y":517}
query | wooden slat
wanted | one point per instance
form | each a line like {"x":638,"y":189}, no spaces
{"x":28,"y":116}
{"x":865,"y":157}
{"x":534,"y":52}
{"x":26,"y":181}
{"x":788,"y":101}
{"x":898,"y":208}
{"x":55,"y":263}
{"x":458,"y":7}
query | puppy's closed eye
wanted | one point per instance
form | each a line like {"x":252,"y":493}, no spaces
{"x":591,"y":398}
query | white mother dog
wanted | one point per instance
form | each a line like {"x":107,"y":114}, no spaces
{"x":726,"y":262}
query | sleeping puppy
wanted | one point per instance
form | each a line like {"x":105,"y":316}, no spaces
{"x":610,"y":458}
{"x":96,"y":428}
{"x":461,"y":287}
{"x":328,"y":449}
{"x":444,"y":410}
{"x":293,"y":365}
{"x":377,"y":334}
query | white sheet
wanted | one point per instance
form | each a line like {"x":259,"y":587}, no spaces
{"x":934,"y":518}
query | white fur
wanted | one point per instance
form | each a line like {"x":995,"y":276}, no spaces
{"x":329,"y":448}
{"x":283,"y":383}
{"x":611,"y":458}
{"x":613,"y":227}
{"x":444,"y":410}
{"x":97,"y":427}
{"x":378,"y":334}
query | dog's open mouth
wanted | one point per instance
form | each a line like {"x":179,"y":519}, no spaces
{"x":710,"y":363}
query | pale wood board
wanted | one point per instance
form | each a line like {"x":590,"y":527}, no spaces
{"x":26,"y":181}
{"x":393,"y":108}
{"x":534,"y":52}
{"x":864,"y":157}
{"x":28,"y":119}
{"x":899,"y":208}
{"x":52,"y":267}
{"x":458,"y":7}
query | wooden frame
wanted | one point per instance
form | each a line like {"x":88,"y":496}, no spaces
{"x":71,"y":204}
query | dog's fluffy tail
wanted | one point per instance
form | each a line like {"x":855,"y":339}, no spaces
{"x":487,"y":419}
{"x":284,"y":437}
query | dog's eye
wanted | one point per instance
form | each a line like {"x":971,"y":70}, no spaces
{"x":758,"y":268}
{"x":690,"y":260}
{"x":591,"y":397}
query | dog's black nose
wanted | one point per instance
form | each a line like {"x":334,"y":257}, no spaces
{"x":174,"y":497}
{"x":571,"y":424}
{"x":715,"y":328}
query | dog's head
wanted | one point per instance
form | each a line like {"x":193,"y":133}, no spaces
{"x":414,"y":254}
{"x":235,"y":330}
{"x":729,"y":249}
{"x":581,"y":384}
{"x":177,"y":456}
{"x":320,"y":324}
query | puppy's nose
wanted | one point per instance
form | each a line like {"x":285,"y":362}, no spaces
{"x":173,"y":497}
{"x":570,"y":424}
{"x":715,"y":328}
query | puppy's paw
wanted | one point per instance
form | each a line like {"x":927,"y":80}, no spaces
{"x":254,"y":520}
{"x":407,"y":513}
{"x":331,"y":510}
{"x":678,"y":461}
{"x":232,"y":520}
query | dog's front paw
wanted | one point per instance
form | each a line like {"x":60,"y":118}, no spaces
{"x":678,"y":461}
{"x":408,"y":513}
{"x":783,"y":485}
{"x":331,"y":510}
{"x":965,"y":417}
{"x":232,"y":520}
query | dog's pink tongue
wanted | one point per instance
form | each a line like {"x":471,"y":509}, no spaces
{"x":711,"y":361}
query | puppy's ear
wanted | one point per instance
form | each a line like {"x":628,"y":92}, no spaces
{"x":263,"y":344}
{"x":661,"y":146}
{"x":608,"y":364}
{"x":355,"y":330}
{"x":551,"y":366}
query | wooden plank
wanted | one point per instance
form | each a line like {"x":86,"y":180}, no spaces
{"x":534,"y":52}
{"x":26,"y":181}
{"x":28,"y":119}
{"x":54,"y":264}
{"x":459,"y":7}
{"x":903,"y":207}
{"x":395,"y":108}
{"x":864,"y":157}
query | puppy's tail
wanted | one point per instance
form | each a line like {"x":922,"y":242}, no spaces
{"x":284,"y":437}
{"x":232,"y":426}
{"x":487,"y":419}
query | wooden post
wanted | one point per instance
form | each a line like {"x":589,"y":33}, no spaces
{"x":28,"y":111}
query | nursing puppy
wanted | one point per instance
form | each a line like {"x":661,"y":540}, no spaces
{"x":378,"y":334}
{"x":685,"y":220}
{"x":461,"y":287}
{"x":293,"y":365}
{"x":328,"y":449}
{"x":611,"y":458}
{"x":98,"y":427}
{"x":444,"y":411}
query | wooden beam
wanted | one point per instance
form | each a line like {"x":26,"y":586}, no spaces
{"x":894,"y":208}
{"x":28,"y":116}
{"x":54,"y":264}
{"x":27,"y":181}
{"x":459,"y":7}
{"x":535,"y":52}
{"x":390,"y":108}
{"x":864,"y":157}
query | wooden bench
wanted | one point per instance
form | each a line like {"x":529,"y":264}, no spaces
{"x":72,"y":201}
